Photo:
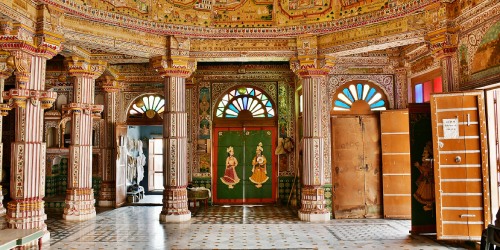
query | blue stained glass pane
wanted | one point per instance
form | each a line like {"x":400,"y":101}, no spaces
{"x":370,"y":94}
{"x":342,"y":104}
{"x":245,"y":103}
{"x":359,"y":87}
{"x":419,"y":96}
{"x":348,"y":94}
{"x":380,"y":103}
{"x":268,"y":104}
{"x":233,"y":108}
{"x":252,"y":92}
{"x":230,"y":116}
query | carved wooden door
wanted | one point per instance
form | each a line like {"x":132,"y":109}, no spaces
{"x":356,"y":166}
{"x":461,"y":165}
{"x":396,"y":164}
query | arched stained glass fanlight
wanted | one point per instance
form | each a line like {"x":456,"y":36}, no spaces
{"x":245,"y":98}
{"x":149,"y":105}
{"x":359,"y":92}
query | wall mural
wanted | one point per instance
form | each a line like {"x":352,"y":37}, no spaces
{"x":487,"y":58}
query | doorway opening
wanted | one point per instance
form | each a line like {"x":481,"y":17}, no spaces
{"x":244,"y":166}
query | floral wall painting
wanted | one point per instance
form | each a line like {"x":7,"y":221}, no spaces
{"x":487,"y":57}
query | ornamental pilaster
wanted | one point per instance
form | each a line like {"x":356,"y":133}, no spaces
{"x":443,"y":43}
{"x":402,"y":82}
{"x":111,"y":87}
{"x":312,"y":70}
{"x":175,"y":68}
{"x":80,"y":195}
{"x":5,"y":72}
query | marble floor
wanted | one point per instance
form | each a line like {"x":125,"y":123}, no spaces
{"x":233,"y":227}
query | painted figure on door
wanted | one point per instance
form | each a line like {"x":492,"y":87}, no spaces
{"x":259,"y":172}
{"x":230,"y":177}
{"x":425,"y":182}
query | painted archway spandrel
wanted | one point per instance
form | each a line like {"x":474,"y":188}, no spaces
{"x":386,"y":83}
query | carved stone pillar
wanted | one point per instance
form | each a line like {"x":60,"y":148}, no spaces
{"x":5,"y":72}
{"x":444,"y":48}
{"x":312,"y":69}
{"x":80,"y":195}
{"x":175,"y":69}
{"x":108,"y":187}
{"x":26,"y":210}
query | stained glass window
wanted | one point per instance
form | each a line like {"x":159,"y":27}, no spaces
{"x":245,"y":98}
{"x":149,"y":105}
{"x":359,"y":92}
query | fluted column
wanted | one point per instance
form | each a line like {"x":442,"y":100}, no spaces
{"x":5,"y":72}
{"x":108,"y":189}
{"x":175,"y":68}
{"x":80,"y":195}
{"x":311,"y":70}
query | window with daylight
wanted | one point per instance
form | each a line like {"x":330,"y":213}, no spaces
{"x":246,"y":100}
{"x":148,"y":106}
{"x":353,"y":94}
{"x":423,"y":90}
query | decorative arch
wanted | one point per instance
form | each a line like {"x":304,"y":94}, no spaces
{"x":359,"y":97}
{"x":147,"y":108}
{"x":245,"y":103}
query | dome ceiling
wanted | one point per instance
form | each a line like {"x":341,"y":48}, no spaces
{"x":259,"y":18}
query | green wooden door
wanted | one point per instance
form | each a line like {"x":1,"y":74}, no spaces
{"x":244,"y":165}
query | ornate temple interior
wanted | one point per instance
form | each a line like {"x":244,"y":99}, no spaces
{"x":340,"y":109}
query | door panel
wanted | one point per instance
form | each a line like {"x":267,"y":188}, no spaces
{"x":244,"y":186}
{"x":459,"y":131}
{"x":356,"y":166}
{"x":371,"y":151}
{"x":121,"y":165}
{"x":155,"y":165}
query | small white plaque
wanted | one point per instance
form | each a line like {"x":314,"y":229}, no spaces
{"x":450,"y":128}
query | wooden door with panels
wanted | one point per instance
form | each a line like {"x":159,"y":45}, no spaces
{"x":356,"y":166}
{"x":396,"y":164}
{"x":460,"y":167}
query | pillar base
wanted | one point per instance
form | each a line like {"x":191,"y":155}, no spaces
{"x":175,"y":217}
{"x":26,"y":214}
{"x":79,"y":217}
{"x":322,"y":217}
{"x":79,"y":204}
{"x":3,"y":222}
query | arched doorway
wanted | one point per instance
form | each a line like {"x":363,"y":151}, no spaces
{"x":356,"y":150}
{"x":139,"y":164}
{"x":244,"y":163}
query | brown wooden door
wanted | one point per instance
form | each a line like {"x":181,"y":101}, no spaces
{"x":356,"y":166}
{"x":396,"y":166}
{"x":121,"y":165}
{"x":460,"y":169}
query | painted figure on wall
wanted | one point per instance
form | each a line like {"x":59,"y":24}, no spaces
{"x":425,"y":182}
{"x":204,"y":129}
{"x":230,"y":177}
{"x":204,"y":102}
{"x":259,"y":172}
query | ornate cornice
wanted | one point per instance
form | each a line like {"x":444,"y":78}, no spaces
{"x":83,"y":68}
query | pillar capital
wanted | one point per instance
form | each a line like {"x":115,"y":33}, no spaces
{"x":80,"y":67}
{"x":41,"y":42}
{"x":110,"y":85}
{"x":309,"y":63}
{"x":443,"y":42}
{"x":177,"y":62}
